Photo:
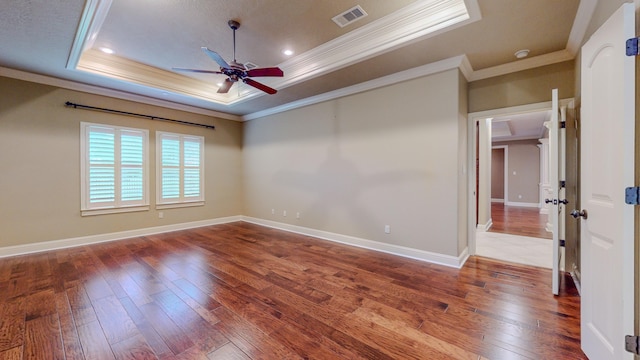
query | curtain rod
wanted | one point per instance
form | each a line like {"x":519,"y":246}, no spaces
{"x":87,"y":107}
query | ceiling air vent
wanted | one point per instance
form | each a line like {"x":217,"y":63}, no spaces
{"x":349,"y":16}
{"x":250,"y":65}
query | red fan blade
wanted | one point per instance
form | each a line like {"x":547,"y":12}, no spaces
{"x":260,"y":86}
{"x":216,"y":57}
{"x":272,"y":71}
{"x":197,"y":70}
{"x":225,"y":86}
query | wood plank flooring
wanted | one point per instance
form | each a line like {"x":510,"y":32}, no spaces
{"x":242,"y":291}
{"x":516,"y":220}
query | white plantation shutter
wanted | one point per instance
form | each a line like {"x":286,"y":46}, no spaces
{"x":170,"y":166}
{"x":132,"y":162}
{"x":114,"y":169}
{"x":180,"y":169}
{"x":101,"y":166}
{"x":192,"y":168}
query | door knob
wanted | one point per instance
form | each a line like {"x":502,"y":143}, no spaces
{"x":577,"y":213}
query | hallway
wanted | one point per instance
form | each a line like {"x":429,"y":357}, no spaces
{"x":515,"y":220}
{"x":517,"y":235}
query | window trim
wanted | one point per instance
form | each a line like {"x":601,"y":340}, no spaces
{"x":181,"y":202}
{"x":117,"y":206}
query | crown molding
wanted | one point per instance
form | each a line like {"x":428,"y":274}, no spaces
{"x":580,"y":25}
{"x":93,"y":15}
{"x":97,"y":90}
{"x":521,"y":65}
{"x":436,"y":67}
{"x":417,"y":21}
{"x":465,"y":68}
{"x":414,"y":22}
{"x":115,"y":67}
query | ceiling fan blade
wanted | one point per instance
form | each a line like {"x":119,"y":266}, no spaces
{"x":197,"y":70}
{"x":260,"y":86}
{"x":271,"y":71}
{"x":225,"y":86}
{"x":216,"y":57}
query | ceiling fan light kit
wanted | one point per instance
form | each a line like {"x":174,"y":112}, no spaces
{"x":236,"y":71}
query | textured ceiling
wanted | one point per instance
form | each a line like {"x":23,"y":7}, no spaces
{"x":37,"y":36}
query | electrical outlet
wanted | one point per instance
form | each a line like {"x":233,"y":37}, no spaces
{"x":387,"y":229}
{"x":298,"y":215}
{"x":161,"y":215}
{"x":284,"y":213}
{"x":273,"y":211}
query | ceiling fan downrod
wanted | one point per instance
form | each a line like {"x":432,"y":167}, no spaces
{"x":234,"y":25}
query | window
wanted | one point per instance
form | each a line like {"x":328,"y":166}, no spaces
{"x":180,"y":170}
{"x":114,"y":169}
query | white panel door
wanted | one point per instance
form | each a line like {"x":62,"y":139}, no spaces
{"x":554,"y":206}
{"x":607,"y":167}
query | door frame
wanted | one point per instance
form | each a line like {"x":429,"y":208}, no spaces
{"x":472,"y":119}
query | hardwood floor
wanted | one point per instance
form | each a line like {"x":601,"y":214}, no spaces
{"x":242,"y":291}
{"x":517,"y":220}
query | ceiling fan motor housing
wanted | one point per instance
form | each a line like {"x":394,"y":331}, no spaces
{"x":233,"y":24}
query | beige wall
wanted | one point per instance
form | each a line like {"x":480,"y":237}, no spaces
{"x":40,"y":164}
{"x":350,"y":166}
{"x":522,"y":88}
{"x":497,"y":174}
{"x":524,"y":161}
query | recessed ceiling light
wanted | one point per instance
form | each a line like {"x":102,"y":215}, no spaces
{"x":287,"y":52}
{"x":520,"y":54}
{"x":106,"y":50}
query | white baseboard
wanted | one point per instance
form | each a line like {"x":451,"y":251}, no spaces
{"x":522,"y":204}
{"x":441,"y":259}
{"x":544,"y":210}
{"x":407,"y":252}
{"x":94,"y":239}
{"x":497,"y":200}
{"x":485,"y":227}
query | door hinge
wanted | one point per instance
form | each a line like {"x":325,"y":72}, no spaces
{"x":563,"y":124}
{"x":632,"y":47}
{"x":632,"y":344}
{"x":563,"y":184}
{"x":562,"y":243}
{"x":632,"y":195}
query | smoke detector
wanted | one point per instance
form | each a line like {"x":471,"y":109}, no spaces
{"x":521,"y":54}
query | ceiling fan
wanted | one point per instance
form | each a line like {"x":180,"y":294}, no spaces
{"x":236,"y":71}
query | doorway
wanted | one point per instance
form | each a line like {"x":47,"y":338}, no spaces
{"x":519,"y":174}
{"x":516,"y":220}
{"x":517,"y":232}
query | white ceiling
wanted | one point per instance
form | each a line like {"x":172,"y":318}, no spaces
{"x":520,"y":127}
{"x":60,"y":38}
